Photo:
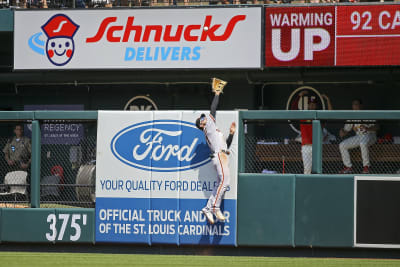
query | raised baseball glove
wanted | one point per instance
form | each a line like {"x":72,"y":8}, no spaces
{"x":218,"y":85}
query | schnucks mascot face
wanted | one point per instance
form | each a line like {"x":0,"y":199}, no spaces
{"x":60,"y":46}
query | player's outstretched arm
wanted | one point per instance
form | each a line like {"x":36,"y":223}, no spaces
{"x":217,"y":87}
{"x":214,"y":105}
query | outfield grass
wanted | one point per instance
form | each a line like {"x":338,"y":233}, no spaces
{"x":114,"y":260}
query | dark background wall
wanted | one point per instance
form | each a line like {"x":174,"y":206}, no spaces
{"x":377,"y":95}
{"x":115,"y":96}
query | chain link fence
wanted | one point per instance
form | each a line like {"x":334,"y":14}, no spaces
{"x":14,"y":165}
{"x":68,"y":156}
{"x":368,"y":147}
{"x":271,"y":147}
{"x":68,"y":164}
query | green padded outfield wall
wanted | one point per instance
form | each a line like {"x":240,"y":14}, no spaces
{"x":295,"y":210}
{"x":324,"y":210}
{"x":273,"y":210}
{"x":47,"y":225}
{"x":24,"y":225}
{"x":266,"y":209}
{"x":80,"y":225}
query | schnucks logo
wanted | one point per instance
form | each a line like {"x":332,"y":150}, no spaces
{"x":60,"y":46}
{"x":170,"y":37}
{"x":116,"y":32}
{"x":161,"y":145}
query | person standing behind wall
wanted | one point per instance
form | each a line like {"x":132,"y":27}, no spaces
{"x":365,"y":136}
{"x":17,"y":151}
{"x":306,"y":132}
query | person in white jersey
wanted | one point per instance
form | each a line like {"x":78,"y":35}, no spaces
{"x":364,"y":137}
{"x":219,"y":154}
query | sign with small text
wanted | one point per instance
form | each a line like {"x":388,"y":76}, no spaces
{"x":154,"y":175}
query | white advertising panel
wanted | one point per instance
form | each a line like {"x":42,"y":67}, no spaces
{"x":154,"y":175}
{"x":138,"y":39}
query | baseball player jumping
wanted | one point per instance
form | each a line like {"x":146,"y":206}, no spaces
{"x":219,"y":154}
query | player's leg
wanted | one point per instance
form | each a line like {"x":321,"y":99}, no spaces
{"x":211,"y":199}
{"x":344,"y":147}
{"x":208,"y":209}
{"x":220,"y":162}
{"x":365,"y":142}
{"x":209,"y":215}
{"x":224,"y":181}
{"x":306,"y":153}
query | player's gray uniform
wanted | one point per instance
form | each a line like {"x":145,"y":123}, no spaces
{"x":218,"y":147}
{"x":363,"y":139}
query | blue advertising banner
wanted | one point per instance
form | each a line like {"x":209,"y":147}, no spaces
{"x":154,"y":175}
{"x":58,"y":132}
{"x":164,"y":221}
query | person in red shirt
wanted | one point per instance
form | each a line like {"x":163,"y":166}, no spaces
{"x":306,"y":138}
{"x":306,"y":133}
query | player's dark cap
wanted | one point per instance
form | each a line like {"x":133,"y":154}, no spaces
{"x":198,"y":123}
{"x":199,"y":119}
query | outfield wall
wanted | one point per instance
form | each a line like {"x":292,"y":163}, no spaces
{"x":289,"y":210}
{"x":295,"y":210}
{"x":273,"y":209}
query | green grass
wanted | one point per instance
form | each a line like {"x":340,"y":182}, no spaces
{"x":34,"y":259}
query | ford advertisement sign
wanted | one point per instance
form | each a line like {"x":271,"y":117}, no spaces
{"x":164,"y":146}
{"x":154,"y":175}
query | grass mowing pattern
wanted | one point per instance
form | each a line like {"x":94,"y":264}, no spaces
{"x":33,"y":259}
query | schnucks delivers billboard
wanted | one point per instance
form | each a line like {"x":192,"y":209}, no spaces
{"x":356,"y":35}
{"x":154,"y":175}
{"x":138,"y":39}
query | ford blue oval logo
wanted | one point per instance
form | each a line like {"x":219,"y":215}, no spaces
{"x":161,"y":145}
